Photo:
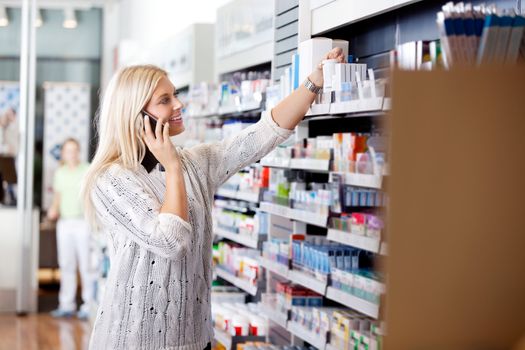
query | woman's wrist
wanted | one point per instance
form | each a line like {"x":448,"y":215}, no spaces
{"x":173,"y":167}
{"x":316,"y":77}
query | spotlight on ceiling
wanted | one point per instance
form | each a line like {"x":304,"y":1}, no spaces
{"x":4,"y":20}
{"x":70,"y":19}
{"x":39,"y":20}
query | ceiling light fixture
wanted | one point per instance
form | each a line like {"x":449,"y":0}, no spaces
{"x":39,"y":21}
{"x":4,"y":20}
{"x":70,"y":19}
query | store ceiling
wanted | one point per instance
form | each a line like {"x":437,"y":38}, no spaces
{"x":60,"y":4}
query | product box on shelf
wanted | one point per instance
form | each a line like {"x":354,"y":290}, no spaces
{"x":364,"y":284}
{"x":364,"y":224}
{"x":238,"y":319}
{"x":239,"y":261}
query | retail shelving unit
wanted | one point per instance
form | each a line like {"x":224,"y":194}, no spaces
{"x":327,"y":17}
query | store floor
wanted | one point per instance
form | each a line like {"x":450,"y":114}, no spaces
{"x":42,"y":332}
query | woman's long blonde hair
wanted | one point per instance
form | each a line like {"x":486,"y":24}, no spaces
{"x":120,"y":123}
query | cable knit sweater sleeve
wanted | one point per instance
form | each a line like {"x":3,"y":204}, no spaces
{"x":223,"y":159}
{"x":124,"y":205}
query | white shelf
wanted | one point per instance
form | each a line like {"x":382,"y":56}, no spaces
{"x":384,"y":249}
{"x":276,"y":209}
{"x":228,"y":109}
{"x":226,"y":193}
{"x":363,"y":180}
{"x":358,"y":241}
{"x":295,"y":214}
{"x":310,"y":337}
{"x":310,"y":218}
{"x":297,"y":163}
{"x":355,"y":303}
{"x":310,"y":164}
{"x":387,"y":104}
{"x":238,"y":282}
{"x":250,"y":106}
{"x":275,"y":316}
{"x":240,"y":195}
{"x":248,"y":196}
{"x":248,"y":58}
{"x":337,"y":13}
{"x":307,"y":281}
{"x":357,"y":106}
{"x":247,"y":241}
{"x":224,"y":338}
{"x":318,"y":109}
{"x":246,"y":107}
{"x":274,"y":267}
{"x":276,"y":162}
{"x":330,"y":347}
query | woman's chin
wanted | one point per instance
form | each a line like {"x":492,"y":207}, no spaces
{"x":174,"y":131}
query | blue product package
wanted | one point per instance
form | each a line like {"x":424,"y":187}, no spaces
{"x":355,"y":259}
{"x":347,"y":259}
{"x":355,"y":198}
{"x":332,"y":261}
{"x":314,"y":301}
{"x":362,"y":198}
{"x":340,"y":262}
{"x":298,"y":301}
{"x":315,"y":259}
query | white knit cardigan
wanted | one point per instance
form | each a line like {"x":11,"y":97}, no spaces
{"x":158,"y":290}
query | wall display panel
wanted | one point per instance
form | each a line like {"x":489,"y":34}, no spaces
{"x":66,"y":115}
{"x":9,"y":105}
{"x":243,"y":24}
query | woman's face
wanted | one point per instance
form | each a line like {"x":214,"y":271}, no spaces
{"x":166,"y":107}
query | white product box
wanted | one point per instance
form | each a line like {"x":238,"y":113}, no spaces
{"x":311,"y":53}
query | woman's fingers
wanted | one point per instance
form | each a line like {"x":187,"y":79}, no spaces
{"x":166,"y":131}
{"x":147,"y":127}
{"x":158,"y":130}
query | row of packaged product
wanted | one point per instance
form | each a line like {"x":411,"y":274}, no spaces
{"x":350,"y":331}
{"x":235,"y":222}
{"x":241,"y":90}
{"x":343,"y":325}
{"x":363,"y":283}
{"x":250,"y":179}
{"x":288,"y":188}
{"x":365,"y":224}
{"x":319,"y":257}
{"x":289,"y":294}
{"x":361,"y":153}
{"x":238,"y":260}
{"x":239,"y":319}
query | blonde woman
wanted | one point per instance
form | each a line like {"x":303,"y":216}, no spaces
{"x":159,"y":222}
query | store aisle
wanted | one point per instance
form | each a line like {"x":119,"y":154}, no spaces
{"x":42,"y":332}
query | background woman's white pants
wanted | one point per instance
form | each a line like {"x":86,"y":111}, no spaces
{"x":73,"y":243}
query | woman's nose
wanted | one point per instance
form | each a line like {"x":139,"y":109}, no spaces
{"x":178,"y":105}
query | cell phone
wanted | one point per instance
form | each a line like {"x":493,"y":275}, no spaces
{"x":150,"y":162}
{"x":152,"y":122}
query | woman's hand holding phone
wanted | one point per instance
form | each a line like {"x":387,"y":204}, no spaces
{"x":159,"y":143}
